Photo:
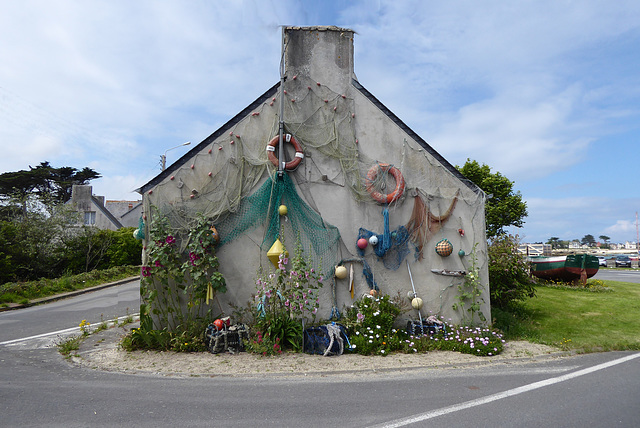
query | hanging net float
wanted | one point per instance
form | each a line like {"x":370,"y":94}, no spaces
{"x":288,"y":138}
{"x":444,"y":247}
{"x":214,"y":235}
{"x":372,"y":178}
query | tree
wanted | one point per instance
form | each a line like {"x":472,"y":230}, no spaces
{"x":605,"y":239}
{"x":588,"y":240}
{"x":554,"y":241}
{"x":45,"y":184}
{"x":504,"y":207}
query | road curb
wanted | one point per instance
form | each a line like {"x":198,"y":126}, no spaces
{"x":69,"y":294}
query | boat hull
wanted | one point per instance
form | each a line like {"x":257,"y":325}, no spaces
{"x":571,"y":268}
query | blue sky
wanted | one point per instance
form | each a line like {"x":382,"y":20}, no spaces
{"x":545,"y":92}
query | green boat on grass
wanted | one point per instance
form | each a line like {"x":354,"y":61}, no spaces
{"x":571,"y":268}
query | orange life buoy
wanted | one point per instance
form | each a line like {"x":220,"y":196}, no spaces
{"x":292,"y":164}
{"x":397,"y":175}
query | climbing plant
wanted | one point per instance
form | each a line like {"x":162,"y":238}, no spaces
{"x":469,"y":298}
{"x":176,"y":283}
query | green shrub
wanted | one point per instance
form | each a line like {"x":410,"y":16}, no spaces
{"x":370,"y":326}
{"x":509,"y":278}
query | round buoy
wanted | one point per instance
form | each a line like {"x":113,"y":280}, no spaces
{"x":282,"y":210}
{"x":373,"y":240}
{"x":461,"y":253}
{"x":373,"y":292}
{"x":362,"y":243}
{"x":218,"y":324}
{"x":444,"y":248}
{"x":416,"y":303}
{"x":411,"y":295}
{"x":341,"y":272}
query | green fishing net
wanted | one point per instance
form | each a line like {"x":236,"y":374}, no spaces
{"x":301,"y":221}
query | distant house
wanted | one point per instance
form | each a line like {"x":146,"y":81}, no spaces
{"x":575,"y":245}
{"x":111,"y":215}
{"x":127,"y":212}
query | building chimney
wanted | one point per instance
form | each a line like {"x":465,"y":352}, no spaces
{"x":322,"y":53}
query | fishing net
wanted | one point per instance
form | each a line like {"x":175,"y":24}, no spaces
{"x":302,"y":222}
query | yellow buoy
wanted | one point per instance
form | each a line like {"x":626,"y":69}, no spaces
{"x":282,"y":210}
{"x":416,"y":303}
{"x":274,"y":252}
{"x":341,"y":272}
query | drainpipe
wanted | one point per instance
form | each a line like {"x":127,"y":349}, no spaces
{"x":281,"y":118}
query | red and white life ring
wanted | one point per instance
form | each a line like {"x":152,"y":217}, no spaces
{"x":292,"y":164}
{"x":382,"y":197}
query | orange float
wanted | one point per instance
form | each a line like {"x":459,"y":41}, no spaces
{"x":292,"y":164}
{"x":385,"y":198}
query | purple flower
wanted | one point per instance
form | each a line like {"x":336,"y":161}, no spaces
{"x":360,"y":317}
{"x":170,"y":240}
{"x":146,"y":271}
{"x":193,"y":257}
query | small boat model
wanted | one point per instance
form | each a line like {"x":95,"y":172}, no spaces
{"x":571,"y":268}
{"x":449,"y":272}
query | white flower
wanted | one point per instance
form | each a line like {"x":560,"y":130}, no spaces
{"x":371,"y":341}
{"x":353,"y":346}
{"x":382,"y":351}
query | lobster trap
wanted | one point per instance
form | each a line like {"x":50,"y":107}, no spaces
{"x":325,"y":340}
{"x":425,"y":327}
{"x":231,"y":339}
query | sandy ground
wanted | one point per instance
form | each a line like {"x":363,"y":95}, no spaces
{"x":100,"y":351}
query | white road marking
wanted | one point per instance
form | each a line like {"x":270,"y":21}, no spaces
{"x":66,"y":331}
{"x":488,"y":399}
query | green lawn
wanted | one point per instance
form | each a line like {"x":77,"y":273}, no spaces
{"x":577,"y":319}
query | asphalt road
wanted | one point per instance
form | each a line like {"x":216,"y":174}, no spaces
{"x":39,"y":388}
{"x":95,"y":307}
{"x":613,"y":274}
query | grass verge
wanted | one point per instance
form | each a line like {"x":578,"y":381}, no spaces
{"x":69,"y":346}
{"x":23,"y":292}
{"x":576,"y":319}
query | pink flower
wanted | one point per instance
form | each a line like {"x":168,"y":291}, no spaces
{"x":146,"y":271}
{"x":170,"y":240}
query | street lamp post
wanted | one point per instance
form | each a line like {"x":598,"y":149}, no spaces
{"x":164,"y":156}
